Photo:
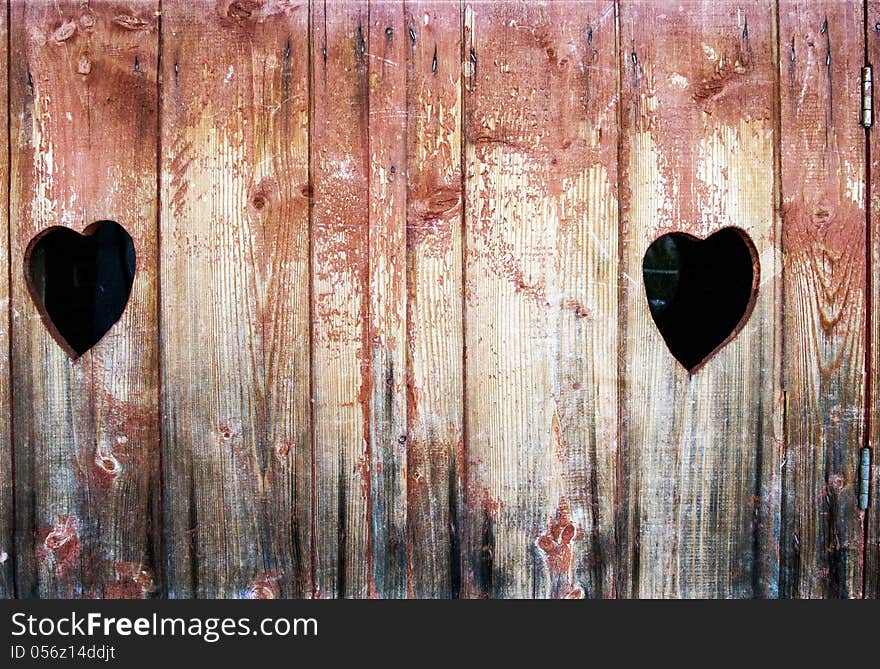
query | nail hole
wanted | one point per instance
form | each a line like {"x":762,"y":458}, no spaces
{"x":700,"y":291}
{"x":80,"y":283}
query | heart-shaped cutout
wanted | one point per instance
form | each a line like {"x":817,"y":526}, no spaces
{"x":700,"y":291}
{"x":80,"y":282}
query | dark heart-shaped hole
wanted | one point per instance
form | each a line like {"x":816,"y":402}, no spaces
{"x":700,"y":291}
{"x":81,"y":282}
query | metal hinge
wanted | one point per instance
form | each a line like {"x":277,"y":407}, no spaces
{"x":867,"y":97}
{"x":864,"y":477}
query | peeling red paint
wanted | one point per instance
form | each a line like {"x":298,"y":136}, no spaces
{"x":715,"y":80}
{"x":492,"y":505}
{"x":555,"y":543}
{"x":570,"y":591}
{"x":133,"y":581}
{"x":60,"y":545}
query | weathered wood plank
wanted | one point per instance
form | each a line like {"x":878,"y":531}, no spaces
{"x":699,"y":484}
{"x":387,"y":47}
{"x":434,"y":315}
{"x":341,"y":323}
{"x":235,"y":300}
{"x":872,"y":539}
{"x":83,"y":106}
{"x":823,"y":191}
{"x":7,"y":575}
{"x":541,"y":295}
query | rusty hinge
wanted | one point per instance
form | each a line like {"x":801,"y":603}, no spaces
{"x":867,"y":97}
{"x":864,"y":477}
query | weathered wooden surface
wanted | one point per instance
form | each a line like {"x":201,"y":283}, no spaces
{"x":341,"y":399}
{"x":434,"y":300}
{"x":387,"y":50}
{"x":235,"y":301}
{"x":7,"y":565}
{"x":83,"y":125}
{"x":390,"y":294}
{"x":699,"y":465}
{"x":540,"y":119}
{"x":871,"y":568}
{"x":823,"y":223}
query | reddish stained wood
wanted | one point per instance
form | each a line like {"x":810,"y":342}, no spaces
{"x":823,"y":190}
{"x":235,"y":300}
{"x":341,"y":313}
{"x":7,"y":576}
{"x":434,"y":316}
{"x":540,"y":298}
{"x":83,"y":106}
{"x":871,"y":569}
{"x":695,"y":490}
{"x":387,"y":47}
{"x":699,"y":484}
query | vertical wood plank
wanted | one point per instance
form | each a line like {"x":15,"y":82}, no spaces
{"x":872,"y":539}
{"x":341,"y":324}
{"x":823,"y":191}
{"x":541,"y":298}
{"x":387,"y":57}
{"x":83,"y":131}
{"x":700,"y":453}
{"x":7,"y":575}
{"x":434,"y":279}
{"x":235,"y":299}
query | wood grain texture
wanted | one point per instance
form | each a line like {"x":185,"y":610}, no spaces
{"x":540,"y":298}
{"x":389,"y":299}
{"x":871,"y":570}
{"x":699,"y":464}
{"x":235,"y":300}
{"x":434,"y":299}
{"x":341,"y":310}
{"x":83,"y":135}
{"x":387,"y":47}
{"x":7,"y":564}
{"x":823,"y":192}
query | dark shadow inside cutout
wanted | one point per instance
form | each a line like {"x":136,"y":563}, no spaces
{"x":80,"y":282}
{"x":700,"y":291}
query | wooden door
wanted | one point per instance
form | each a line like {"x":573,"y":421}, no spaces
{"x":392,"y":331}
